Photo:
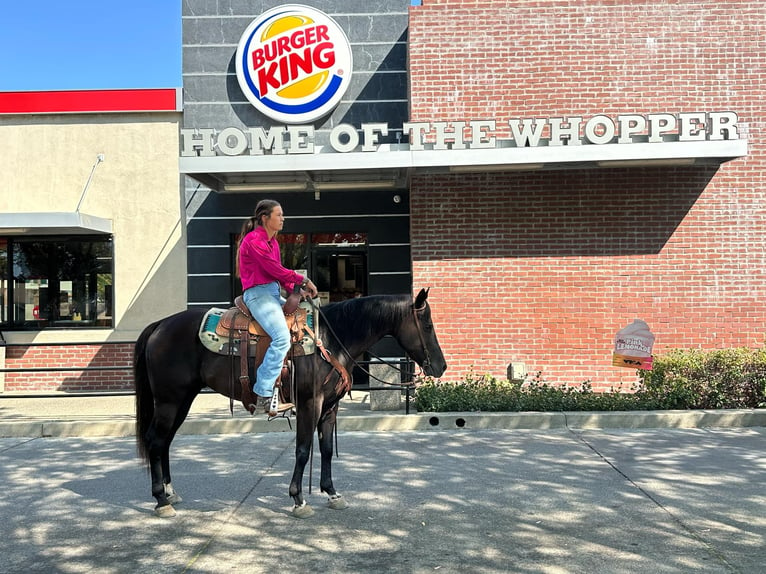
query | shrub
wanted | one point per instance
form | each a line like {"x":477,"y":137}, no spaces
{"x":720,"y":379}
{"x":729,"y":378}
{"x":486,"y":393}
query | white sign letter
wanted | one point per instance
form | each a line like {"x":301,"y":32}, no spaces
{"x":692,"y":127}
{"x":455,"y":135}
{"x":350,"y":132}
{"x":721,"y":122}
{"x":417,"y":132}
{"x":660,"y":124}
{"x":371,"y":132}
{"x":480,"y":137}
{"x":569,"y":135}
{"x":301,"y":139}
{"x":607,"y":130}
{"x":193,"y":139}
{"x":630,"y":125}
{"x":231,"y":141}
{"x":272,"y":141}
{"x":527,"y":135}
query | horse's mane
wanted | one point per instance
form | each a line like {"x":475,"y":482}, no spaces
{"x":363,"y":317}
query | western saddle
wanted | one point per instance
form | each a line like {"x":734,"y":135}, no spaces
{"x":236,"y":323}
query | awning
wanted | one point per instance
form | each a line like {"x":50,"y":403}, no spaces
{"x":391,"y":165}
{"x":53,"y":223}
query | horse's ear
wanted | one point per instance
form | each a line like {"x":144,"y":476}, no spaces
{"x":420,"y":300}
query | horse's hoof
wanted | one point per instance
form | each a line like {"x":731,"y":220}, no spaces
{"x":303,"y":511}
{"x":337,"y":502}
{"x":166,"y":511}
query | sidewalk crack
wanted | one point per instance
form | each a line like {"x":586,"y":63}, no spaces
{"x":711,"y":549}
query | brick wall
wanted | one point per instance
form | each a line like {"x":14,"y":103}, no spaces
{"x":544,"y":267}
{"x":93,"y":356}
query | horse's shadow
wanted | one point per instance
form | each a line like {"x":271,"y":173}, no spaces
{"x":211,"y":475}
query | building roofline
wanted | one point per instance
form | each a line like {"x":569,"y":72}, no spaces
{"x":91,"y":101}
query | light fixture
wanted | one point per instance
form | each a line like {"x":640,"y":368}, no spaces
{"x":99,"y":159}
{"x":495,"y":167}
{"x":266,"y":186}
{"x":354,"y":185}
{"x":646,"y":162}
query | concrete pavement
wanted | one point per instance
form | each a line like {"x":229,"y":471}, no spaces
{"x":557,"y":501}
{"x":549,"y":493}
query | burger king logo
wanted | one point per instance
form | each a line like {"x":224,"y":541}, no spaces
{"x":294,"y":64}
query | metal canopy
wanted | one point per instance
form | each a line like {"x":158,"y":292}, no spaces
{"x":53,"y":223}
{"x":392,"y":165}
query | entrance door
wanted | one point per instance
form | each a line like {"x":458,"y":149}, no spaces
{"x":339,"y":273}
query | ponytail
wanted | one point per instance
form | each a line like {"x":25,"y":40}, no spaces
{"x":247,"y":227}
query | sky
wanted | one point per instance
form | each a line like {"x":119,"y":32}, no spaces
{"x":88,"y":45}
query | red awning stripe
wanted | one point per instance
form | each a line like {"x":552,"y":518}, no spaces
{"x":91,"y":101}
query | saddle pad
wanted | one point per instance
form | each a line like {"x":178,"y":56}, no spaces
{"x":221,"y":344}
{"x":211,"y":340}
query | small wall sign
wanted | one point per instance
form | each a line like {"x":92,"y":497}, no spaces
{"x":633,"y":346}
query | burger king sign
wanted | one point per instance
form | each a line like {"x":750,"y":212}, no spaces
{"x":294,"y":64}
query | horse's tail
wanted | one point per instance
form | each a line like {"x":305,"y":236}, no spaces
{"x":144,"y":396}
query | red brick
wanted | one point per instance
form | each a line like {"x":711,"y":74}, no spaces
{"x":547,"y":266}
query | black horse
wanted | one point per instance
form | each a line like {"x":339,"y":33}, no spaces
{"x":171,"y":367}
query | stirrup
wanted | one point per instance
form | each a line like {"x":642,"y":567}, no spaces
{"x":272,"y":407}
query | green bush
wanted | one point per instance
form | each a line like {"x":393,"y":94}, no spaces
{"x":722,"y":379}
{"x":486,"y":393}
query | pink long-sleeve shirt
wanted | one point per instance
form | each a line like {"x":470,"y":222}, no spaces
{"x":260,"y":262}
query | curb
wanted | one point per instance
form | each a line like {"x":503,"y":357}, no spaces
{"x":587,"y":420}
{"x":735,"y":418}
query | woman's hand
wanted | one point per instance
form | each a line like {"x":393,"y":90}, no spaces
{"x":309,"y":288}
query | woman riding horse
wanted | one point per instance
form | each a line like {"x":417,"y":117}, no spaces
{"x":262,"y":273}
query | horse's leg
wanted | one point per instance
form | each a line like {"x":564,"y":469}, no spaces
{"x":308,"y":413}
{"x":167,"y":418}
{"x":183,"y":410}
{"x":325,"y":430}
{"x":156,"y":440}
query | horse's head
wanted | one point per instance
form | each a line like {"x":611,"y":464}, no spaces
{"x":418,"y":338}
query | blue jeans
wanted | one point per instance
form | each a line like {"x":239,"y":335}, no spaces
{"x":265,"y":304}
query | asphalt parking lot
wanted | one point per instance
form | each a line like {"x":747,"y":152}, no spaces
{"x":455,"y":501}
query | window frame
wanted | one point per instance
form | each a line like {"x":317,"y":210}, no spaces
{"x":87,"y":318}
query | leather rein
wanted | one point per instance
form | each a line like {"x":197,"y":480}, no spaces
{"x":418,"y":327}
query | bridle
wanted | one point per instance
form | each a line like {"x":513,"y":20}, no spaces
{"x":418,"y":326}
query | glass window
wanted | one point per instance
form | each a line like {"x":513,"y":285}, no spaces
{"x":57,"y":282}
{"x":4,"y":301}
{"x":294,"y":250}
{"x":339,"y":239}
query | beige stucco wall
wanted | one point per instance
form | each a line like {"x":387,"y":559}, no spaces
{"x":46,"y":163}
